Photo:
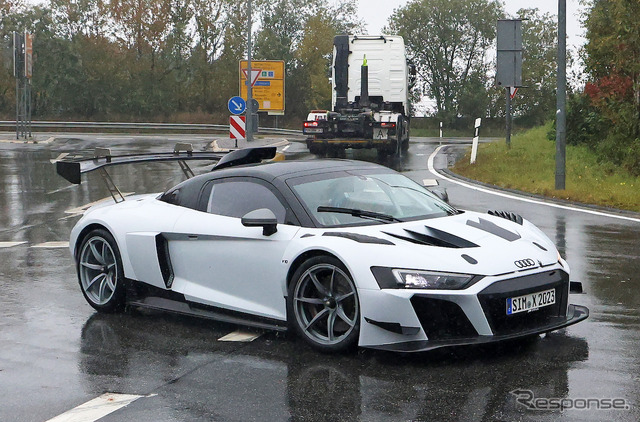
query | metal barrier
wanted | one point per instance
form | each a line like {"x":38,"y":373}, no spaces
{"x":137,"y":126}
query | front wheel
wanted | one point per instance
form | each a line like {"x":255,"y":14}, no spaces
{"x":100,"y":272}
{"x":323,"y":305}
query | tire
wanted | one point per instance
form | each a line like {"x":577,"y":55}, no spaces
{"x":100,"y":272}
{"x":323,"y":306}
{"x":382,"y":154}
{"x":405,"y":140}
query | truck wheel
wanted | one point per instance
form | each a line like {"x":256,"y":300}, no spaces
{"x":337,"y":152}
{"x":402,"y":140}
{"x":405,"y":139}
{"x":383,"y":153}
{"x":318,"y":150}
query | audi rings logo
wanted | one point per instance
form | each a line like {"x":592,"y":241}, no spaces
{"x":525,"y":263}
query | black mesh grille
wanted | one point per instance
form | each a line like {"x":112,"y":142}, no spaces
{"x":494,"y":301}
{"x":442,"y":319}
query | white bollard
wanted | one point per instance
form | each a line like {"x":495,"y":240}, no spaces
{"x":474,"y":145}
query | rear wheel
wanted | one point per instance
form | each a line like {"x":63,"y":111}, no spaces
{"x":323,"y":305}
{"x":405,"y":139}
{"x":100,"y":272}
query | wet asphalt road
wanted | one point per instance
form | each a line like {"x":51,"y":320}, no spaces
{"x":57,"y":353}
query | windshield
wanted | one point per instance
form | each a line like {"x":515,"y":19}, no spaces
{"x":390,"y":194}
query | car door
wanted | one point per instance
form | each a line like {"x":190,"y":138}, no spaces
{"x":218,"y":261}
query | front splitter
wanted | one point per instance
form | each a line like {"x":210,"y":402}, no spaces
{"x":575,"y":314}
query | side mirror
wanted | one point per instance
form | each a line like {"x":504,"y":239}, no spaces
{"x":262,"y":217}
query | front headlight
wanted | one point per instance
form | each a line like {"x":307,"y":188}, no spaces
{"x":413,"y":279}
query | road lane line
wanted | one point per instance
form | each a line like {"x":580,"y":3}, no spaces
{"x":281,"y":143}
{"x":59,"y":157}
{"x":61,"y":189}
{"x":241,"y":336}
{"x":51,"y":245}
{"x":97,"y":408}
{"x":10,"y":244}
{"x":517,"y":197}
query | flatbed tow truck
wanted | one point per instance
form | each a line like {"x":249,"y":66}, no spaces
{"x":374,"y":116}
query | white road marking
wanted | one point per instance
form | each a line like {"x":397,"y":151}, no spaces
{"x":10,"y":244}
{"x":51,"y":245}
{"x":61,"y":189}
{"x":516,"y":197}
{"x":97,"y":408}
{"x":286,"y":148}
{"x":59,"y":157}
{"x":282,"y":143}
{"x":241,"y":336}
{"x":430,"y":182}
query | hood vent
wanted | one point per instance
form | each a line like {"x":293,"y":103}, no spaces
{"x":516,"y":218}
{"x":434,"y":237}
{"x":540,"y":246}
{"x":494,"y":229}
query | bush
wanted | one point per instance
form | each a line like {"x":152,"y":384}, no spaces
{"x":615,"y":142}
{"x":585,"y":125}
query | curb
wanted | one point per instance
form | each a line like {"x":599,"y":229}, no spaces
{"x":558,"y":201}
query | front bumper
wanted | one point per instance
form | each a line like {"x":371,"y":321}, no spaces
{"x":575,"y":314}
{"x":417,"y":320}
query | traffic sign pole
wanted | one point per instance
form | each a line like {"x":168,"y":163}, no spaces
{"x":249,"y":93}
{"x":508,"y":117}
{"x":561,"y":97}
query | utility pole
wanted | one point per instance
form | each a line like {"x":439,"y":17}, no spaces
{"x":561,"y":96}
{"x":249,"y":115}
{"x":508,"y":116}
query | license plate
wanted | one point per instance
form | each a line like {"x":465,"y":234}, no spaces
{"x":313,"y":130}
{"x":531,"y":302}
{"x":380,"y":134}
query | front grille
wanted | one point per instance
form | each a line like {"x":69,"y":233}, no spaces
{"x":494,"y":301}
{"x":442,"y":319}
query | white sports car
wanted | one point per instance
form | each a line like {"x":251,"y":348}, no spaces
{"x":343,"y":252}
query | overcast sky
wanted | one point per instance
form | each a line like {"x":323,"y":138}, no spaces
{"x":375,"y":13}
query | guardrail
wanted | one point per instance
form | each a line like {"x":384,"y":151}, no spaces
{"x":141,"y":126}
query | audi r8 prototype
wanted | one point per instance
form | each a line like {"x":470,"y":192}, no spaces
{"x":345,"y":253}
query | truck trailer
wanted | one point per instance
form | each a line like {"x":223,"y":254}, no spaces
{"x":370,"y":101}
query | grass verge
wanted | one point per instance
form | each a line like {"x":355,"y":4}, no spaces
{"x":530,"y":166}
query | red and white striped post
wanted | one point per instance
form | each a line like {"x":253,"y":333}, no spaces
{"x":237,"y":128}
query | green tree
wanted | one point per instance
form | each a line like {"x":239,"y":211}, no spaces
{"x":612,"y":60}
{"x":612,"y":52}
{"x":304,"y":40}
{"x":447,"y":40}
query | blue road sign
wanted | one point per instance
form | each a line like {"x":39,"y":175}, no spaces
{"x":237,"y":105}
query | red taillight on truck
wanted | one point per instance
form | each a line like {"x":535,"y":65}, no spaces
{"x":310,"y":124}
{"x":387,"y":125}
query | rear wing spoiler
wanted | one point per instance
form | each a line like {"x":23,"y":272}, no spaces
{"x":72,"y":168}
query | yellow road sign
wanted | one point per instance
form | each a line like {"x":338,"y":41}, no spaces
{"x":269,"y":88}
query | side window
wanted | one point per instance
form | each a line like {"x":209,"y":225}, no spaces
{"x":236,"y":198}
